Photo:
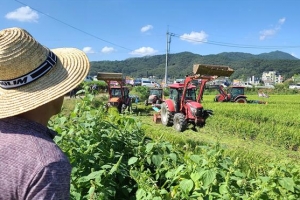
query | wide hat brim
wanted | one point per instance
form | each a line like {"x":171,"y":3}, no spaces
{"x":70,"y":70}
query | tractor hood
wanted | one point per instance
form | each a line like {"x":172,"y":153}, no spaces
{"x":194,"y":104}
{"x":114,"y":99}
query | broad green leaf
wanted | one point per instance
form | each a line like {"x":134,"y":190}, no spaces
{"x":195,"y":158}
{"x":173,"y":156}
{"x":223,"y":189}
{"x":239,"y":174}
{"x":208,"y":177}
{"x":287,"y":183}
{"x":264,"y":179}
{"x":163,"y":191}
{"x":93,"y":175}
{"x":149,"y":160}
{"x":132,"y":160}
{"x":186,"y":185}
{"x":149,"y":147}
{"x":157,"y":159}
{"x":240,"y":182}
{"x":169,"y":174}
{"x":195,"y":176}
{"x":180,"y":168}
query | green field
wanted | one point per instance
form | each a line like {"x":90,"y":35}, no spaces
{"x":245,"y":151}
{"x":266,"y":132}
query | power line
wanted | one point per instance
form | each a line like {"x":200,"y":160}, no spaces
{"x":232,"y":44}
{"x":78,"y":29}
{"x":211,"y":42}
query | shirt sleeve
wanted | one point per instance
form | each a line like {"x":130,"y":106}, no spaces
{"x":52,"y":182}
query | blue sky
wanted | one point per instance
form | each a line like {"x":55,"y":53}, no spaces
{"x":121,"y":29}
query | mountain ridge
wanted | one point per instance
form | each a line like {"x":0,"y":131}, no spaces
{"x":180,"y":64}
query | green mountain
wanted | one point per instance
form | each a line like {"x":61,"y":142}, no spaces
{"x":181,"y":64}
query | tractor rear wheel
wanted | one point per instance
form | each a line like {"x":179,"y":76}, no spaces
{"x":166,"y":115}
{"x":241,"y":100}
{"x":180,"y":123}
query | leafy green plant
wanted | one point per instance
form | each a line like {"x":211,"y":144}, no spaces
{"x":113,"y":159}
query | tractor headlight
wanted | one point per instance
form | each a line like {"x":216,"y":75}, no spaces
{"x":196,"y":112}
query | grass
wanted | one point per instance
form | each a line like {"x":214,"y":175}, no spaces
{"x":232,"y":127}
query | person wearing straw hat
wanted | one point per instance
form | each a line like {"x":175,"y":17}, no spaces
{"x":33,"y":82}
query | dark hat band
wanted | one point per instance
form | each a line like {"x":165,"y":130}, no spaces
{"x":38,"y":72}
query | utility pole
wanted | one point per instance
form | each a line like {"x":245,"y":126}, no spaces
{"x":167,"y":52}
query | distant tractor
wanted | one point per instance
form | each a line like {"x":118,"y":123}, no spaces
{"x":118,"y":93}
{"x":233,"y":94}
{"x":184,"y":107}
{"x":155,"y":96}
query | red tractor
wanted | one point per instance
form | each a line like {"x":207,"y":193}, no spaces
{"x":155,"y":96}
{"x":118,"y":93}
{"x":184,"y":106}
{"x":233,"y":94}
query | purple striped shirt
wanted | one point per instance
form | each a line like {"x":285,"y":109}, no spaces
{"x":32,"y":166}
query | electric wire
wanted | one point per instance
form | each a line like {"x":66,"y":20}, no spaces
{"x":231,"y":44}
{"x":211,"y":42}
{"x":78,"y":29}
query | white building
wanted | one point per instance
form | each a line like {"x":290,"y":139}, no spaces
{"x":271,"y":78}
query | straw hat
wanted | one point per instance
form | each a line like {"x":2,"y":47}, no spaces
{"x":32,"y":75}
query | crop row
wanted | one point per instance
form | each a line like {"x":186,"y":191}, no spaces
{"x":277,"y":123}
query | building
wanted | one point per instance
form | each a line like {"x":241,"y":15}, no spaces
{"x":271,"y":78}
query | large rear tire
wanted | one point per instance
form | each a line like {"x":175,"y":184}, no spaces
{"x":241,"y":100}
{"x":166,"y":115}
{"x":180,"y":123}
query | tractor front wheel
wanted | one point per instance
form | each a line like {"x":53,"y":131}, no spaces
{"x":180,"y":123}
{"x":166,"y":115}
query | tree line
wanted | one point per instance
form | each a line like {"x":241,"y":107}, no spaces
{"x":181,"y":64}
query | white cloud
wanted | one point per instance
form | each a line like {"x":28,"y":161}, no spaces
{"x":281,"y":21}
{"x":107,"y":49}
{"x":195,"y":37}
{"x":88,"y":50}
{"x":144,"y":51}
{"x":146,"y":28}
{"x":23,"y":14}
{"x":267,"y":33}
{"x":295,"y":55}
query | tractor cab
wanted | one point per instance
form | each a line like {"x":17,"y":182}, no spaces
{"x":176,"y":91}
{"x":155,"y":96}
{"x":118,"y":93}
{"x":156,"y":91}
{"x":235,"y":91}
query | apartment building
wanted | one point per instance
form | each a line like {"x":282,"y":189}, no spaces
{"x":271,"y":78}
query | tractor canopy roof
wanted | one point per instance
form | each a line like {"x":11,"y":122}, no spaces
{"x":117,"y":86}
{"x":236,"y":86}
{"x":155,"y":88}
{"x":181,"y":85}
